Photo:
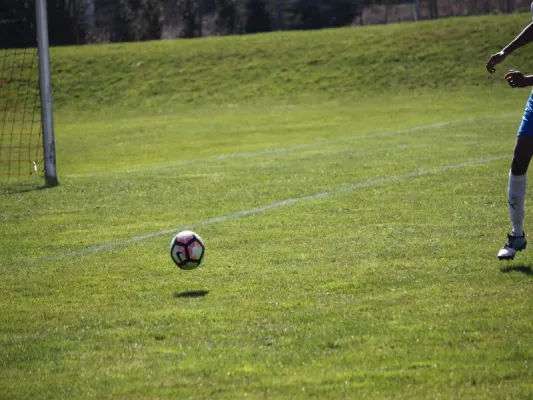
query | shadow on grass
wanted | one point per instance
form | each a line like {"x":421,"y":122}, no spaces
{"x":23,"y":188}
{"x":524,"y":269}
{"x":191,"y":294}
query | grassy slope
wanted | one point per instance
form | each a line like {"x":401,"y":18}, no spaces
{"x":353,"y":62}
{"x":390,"y":291}
{"x":438,"y":63}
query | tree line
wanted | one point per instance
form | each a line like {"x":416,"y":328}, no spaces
{"x":96,"y":21}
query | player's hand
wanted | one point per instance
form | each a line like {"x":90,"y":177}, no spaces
{"x":517,"y":79}
{"x":494,"y":60}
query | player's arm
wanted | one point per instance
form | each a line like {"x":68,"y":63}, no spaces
{"x":518,"y":79}
{"x":522,"y":39}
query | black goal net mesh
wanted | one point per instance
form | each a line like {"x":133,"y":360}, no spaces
{"x":20,"y":115}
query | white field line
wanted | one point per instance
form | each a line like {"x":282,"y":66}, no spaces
{"x":281,"y":150}
{"x":359,"y":152}
{"x":276,"y":205}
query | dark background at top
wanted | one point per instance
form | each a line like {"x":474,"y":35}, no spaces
{"x":99,"y":21}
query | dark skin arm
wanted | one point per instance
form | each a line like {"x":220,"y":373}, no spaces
{"x":514,"y":78}
{"x":518,"y":79}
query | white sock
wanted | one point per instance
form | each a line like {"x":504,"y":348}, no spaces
{"x":516,"y":193}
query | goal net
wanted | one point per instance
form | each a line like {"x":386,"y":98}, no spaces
{"x":27,"y":144}
{"x":21,"y":145}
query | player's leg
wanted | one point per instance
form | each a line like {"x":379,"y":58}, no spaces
{"x":516,"y":190}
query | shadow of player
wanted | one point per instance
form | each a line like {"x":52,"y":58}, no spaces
{"x":524,"y":269}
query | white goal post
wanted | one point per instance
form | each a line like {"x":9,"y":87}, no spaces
{"x":45,"y":86}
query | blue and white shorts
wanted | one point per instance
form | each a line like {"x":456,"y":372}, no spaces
{"x":526,"y":127}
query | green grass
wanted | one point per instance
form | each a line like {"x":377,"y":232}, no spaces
{"x":349,"y":63}
{"x":377,"y":279}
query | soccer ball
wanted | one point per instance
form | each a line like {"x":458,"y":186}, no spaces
{"x":187,"y":250}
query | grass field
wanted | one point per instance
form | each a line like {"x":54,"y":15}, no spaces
{"x":351,"y":234}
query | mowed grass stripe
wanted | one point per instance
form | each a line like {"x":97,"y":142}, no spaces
{"x":289,"y":149}
{"x":219,"y":189}
{"x":276,"y":205}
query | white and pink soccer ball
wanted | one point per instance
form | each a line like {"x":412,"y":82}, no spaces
{"x":187,"y":250}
